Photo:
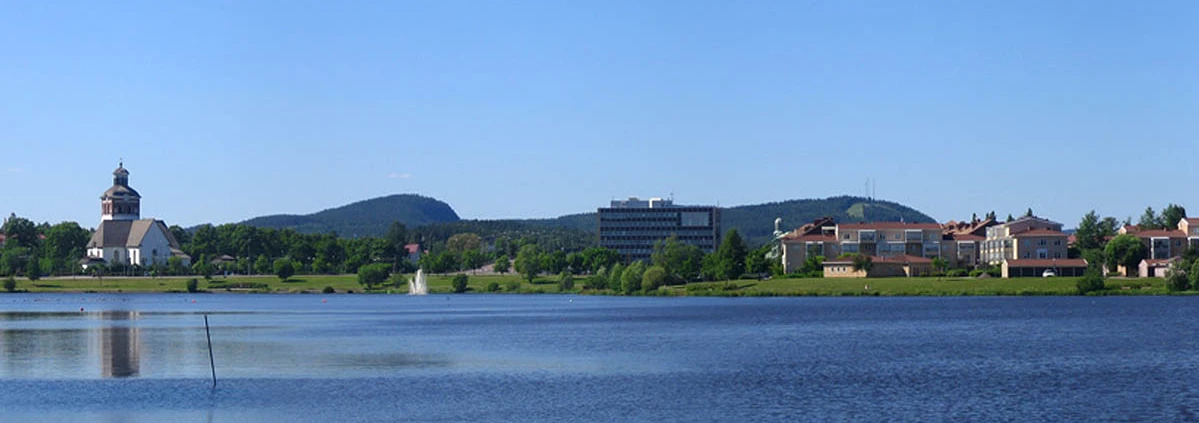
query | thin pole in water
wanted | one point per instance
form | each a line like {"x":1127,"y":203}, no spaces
{"x":211,"y":362}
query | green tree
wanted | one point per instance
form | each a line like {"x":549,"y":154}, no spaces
{"x":730,"y":256}
{"x":492,"y":286}
{"x":459,"y":283}
{"x":528,"y":262}
{"x":1192,"y":274}
{"x":631,"y":278}
{"x":756,"y":261}
{"x":596,"y":258}
{"x":13,"y":259}
{"x":554,"y":262}
{"x":1028,"y":213}
{"x":653,"y":278}
{"x":682,"y":262}
{"x":284,"y":269}
{"x":1126,"y":250}
{"x":10,"y":284}
{"x":613,"y":277}
{"x":940,"y":264}
{"x":65,"y":243}
{"x":1089,"y":235}
{"x":397,"y":239}
{"x":1010,"y":218}
{"x":262,"y":265}
{"x":192,"y":285}
{"x":502,"y":263}
{"x":1149,"y":220}
{"x":1176,"y":279}
{"x":32,"y":270}
{"x":862,"y":262}
{"x":1171,"y":215}
{"x":575,"y":262}
{"x":1091,"y":281}
{"x":373,"y":274}
{"x":20,"y":231}
{"x":472,"y":259}
{"x":463,"y":242}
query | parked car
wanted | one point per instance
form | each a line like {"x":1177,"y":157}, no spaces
{"x":1048,"y":273}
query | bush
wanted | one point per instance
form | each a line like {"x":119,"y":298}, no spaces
{"x":1091,"y":281}
{"x":192,"y":285}
{"x":512,"y":286}
{"x":566,"y":282}
{"x":957,"y":273}
{"x":10,"y":284}
{"x":492,"y":286}
{"x":328,"y":290}
{"x":596,"y":282}
{"x":1177,"y":281}
{"x":284,"y":269}
{"x":653,"y":278}
{"x":373,"y":274}
{"x":459,"y":283}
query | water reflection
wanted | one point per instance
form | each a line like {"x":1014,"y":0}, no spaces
{"x":106,"y":344}
{"x":120,"y":346}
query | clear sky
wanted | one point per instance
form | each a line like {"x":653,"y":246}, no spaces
{"x":224,"y":111}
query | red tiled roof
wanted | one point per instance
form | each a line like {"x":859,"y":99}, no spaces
{"x":1192,"y":220}
{"x":1159,"y":233}
{"x":889,"y":225}
{"x":1046,"y":263}
{"x":1039,"y":232}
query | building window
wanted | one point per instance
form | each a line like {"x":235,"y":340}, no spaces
{"x":1041,"y":242}
{"x":1057,"y":242}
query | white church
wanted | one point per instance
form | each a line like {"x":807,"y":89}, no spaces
{"x":123,"y":237}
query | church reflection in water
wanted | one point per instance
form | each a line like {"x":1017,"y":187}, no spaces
{"x":120,"y":347}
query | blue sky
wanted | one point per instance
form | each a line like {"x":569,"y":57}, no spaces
{"x":229,"y":110}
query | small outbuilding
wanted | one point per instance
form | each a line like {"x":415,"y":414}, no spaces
{"x":1155,"y":268}
{"x":1028,"y":268}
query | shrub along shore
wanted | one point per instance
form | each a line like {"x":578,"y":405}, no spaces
{"x":514,"y":284}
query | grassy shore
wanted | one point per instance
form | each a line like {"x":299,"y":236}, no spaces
{"x":930,"y":286}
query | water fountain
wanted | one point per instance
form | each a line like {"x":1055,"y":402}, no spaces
{"x":418,"y":285}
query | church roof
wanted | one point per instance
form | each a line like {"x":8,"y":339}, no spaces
{"x":119,"y":191}
{"x":120,"y":171}
{"x":128,"y":233}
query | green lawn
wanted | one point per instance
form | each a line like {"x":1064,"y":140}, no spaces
{"x":778,"y":286}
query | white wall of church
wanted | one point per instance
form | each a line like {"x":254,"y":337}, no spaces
{"x":155,"y":247}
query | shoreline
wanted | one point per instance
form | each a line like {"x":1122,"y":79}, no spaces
{"x":512,"y":284}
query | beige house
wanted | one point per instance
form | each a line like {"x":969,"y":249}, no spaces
{"x":1027,"y":238}
{"x":902,"y":265}
{"x":817,"y":238}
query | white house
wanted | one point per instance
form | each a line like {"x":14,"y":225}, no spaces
{"x":123,"y":237}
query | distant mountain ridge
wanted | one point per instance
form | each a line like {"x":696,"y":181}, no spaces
{"x":364,"y":218}
{"x":754,"y":222}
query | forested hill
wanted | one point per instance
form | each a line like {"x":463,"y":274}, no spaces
{"x":754,"y":222}
{"x":364,"y":218}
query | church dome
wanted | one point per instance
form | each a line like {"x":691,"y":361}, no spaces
{"x":120,"y":171}
{"x":120,"y":191}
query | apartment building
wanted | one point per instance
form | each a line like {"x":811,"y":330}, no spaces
{"x":1028,"y":237}
{"x":890,"y":239}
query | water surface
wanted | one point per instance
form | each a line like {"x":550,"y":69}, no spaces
{"x":144,"y":357}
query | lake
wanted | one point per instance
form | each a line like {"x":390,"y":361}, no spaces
{"x":554,"y":358}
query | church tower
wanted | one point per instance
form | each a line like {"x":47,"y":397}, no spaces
{"x":120,"y":202}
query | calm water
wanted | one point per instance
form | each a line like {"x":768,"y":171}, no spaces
{"x":560,"y":358}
